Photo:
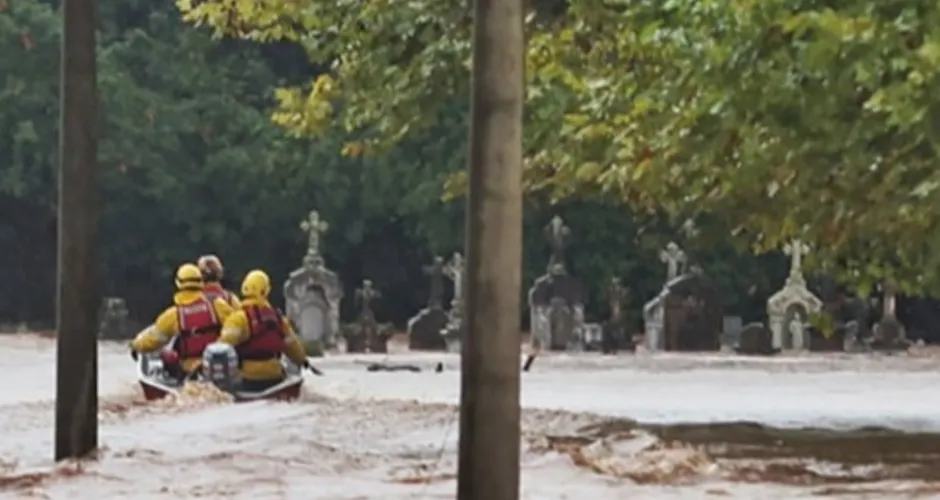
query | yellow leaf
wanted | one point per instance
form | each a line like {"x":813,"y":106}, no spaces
{"x":639,"y":170}
{"x":352,"y":149}
{"x":588,"y":171}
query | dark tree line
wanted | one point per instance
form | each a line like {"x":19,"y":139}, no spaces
{"x":191,"y":163}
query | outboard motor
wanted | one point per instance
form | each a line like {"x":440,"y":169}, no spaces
{"x":220,"y":366}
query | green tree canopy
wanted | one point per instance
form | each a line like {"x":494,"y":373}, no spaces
{"x":811,"y":119}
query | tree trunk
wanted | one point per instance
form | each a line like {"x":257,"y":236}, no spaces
{"x":488,"y":466}
{"x":78,"y":294}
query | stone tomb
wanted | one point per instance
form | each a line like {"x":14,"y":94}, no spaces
{"x":366,"y":334}
{"x":692,"y":315}
{"x":556,"y":299}
{"x":556,"y":311}
{"x":889,"y":333}
{"x":789,"y":310}
{"x":653,"y":321}
{"x":114,"y":322}
{"x":755,"y":339}
{"x":426,"y":330}
{"x":313,"y":293}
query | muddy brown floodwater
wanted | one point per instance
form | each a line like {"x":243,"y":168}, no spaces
{"x":754,"y":453}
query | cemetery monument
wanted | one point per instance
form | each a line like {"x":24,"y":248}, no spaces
{"x":425,"y":329}
{"x":556,"y":299}
{"x":313,"y":292}
{"x":789,"y":310}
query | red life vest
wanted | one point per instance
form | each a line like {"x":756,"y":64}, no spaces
{"x":199,"y":327}
{"x":215,"y":291}
{"x":266,"y":334}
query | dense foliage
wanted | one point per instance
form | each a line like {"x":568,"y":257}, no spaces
{"x":193,"y":163}
{"x":810,"y":118}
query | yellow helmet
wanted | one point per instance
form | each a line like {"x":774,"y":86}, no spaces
{"x":211,"y":267}
{"x":256,"y":284}
{"x":188,"y":277}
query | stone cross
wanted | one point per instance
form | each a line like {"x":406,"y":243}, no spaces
{"x":796,"y":249}
{"x":558,"y":235}
{"x":435,"y":271}
{"x":674,"y":258}
{"x":455,"y":271}
{"x":313,"y":226}
{"x":366,"y":294}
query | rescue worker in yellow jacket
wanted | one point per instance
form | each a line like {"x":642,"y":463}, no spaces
{"x":192,"y":322}
{"x":260,"y":335}
{"x":212,"y":271}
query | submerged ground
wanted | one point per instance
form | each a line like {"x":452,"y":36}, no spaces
{"x":638,"y":427}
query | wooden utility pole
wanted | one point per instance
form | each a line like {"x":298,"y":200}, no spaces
{"x":78,"y":293}
{"x":488,"y":466}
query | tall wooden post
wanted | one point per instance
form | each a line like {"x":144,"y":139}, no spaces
{"x":489,"y":399}
{"x":78,"y":293}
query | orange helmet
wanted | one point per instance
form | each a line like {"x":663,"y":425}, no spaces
{"x":211,"y":267}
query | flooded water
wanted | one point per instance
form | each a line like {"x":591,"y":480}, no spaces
{"x":638,"y":427}
{"x":870,"y":462}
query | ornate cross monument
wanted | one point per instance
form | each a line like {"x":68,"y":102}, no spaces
{"x":796,"y":249}
{"x":674,"y":258}
{"x":312,"y":292}
{"x":313,"y":226}
{"x":559,"y":235}
{"x":789,"y":310}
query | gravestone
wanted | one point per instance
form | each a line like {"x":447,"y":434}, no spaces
{"x":790,"y":309}
{"x":556,"y":311}
{"x":848,"y":319}
{"x":819,"y":341}
{"x":859,"y":311}
{"x":731,"y":327}
{"x":425,"y":329}
{"x":556,"y":299}
{"x":593,"y":336}
{"x":756,"y":339}
{"x":312,"y":292}
{"x":653,"y":320}
{"x":692,"y":314}
{"x":114,"y":322}
{"x":354,"y":337}
{"x":453,"y":331}
{"x":889,"y":333}
{"x":366,"y":334}
{"x":853,"y":342}
{"x":614,"y":335}
{"x":889,"y":329}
